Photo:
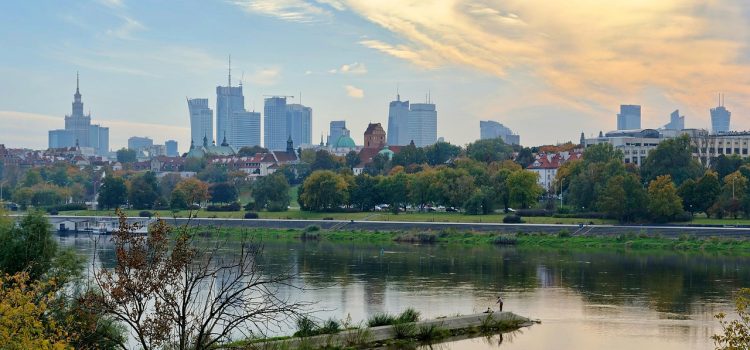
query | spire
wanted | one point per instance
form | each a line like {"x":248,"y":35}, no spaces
{"x":230,"y":71}
{"x":398,"y":95}
{"x":77,"y":91}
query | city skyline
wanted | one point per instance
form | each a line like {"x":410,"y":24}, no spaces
{"x":138,"y":69}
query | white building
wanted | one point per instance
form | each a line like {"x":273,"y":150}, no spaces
{"x":634,"y":144}
{"x":423,"y":124}
{"x":546,"y":164}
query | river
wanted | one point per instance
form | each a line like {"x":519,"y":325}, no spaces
{"x":585,"y":299}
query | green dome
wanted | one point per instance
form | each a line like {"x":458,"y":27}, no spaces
{"x":387,"y":152}
{"x":344,"y":141}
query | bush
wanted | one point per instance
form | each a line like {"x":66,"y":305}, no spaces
{"x":512,"y":219}
{"x":683,"y":217}
{"x":52,"y":211}
{"x":404,"y":330}
{"x":310,"y":236}
{"x":330,"y":327}
{"x":409,"y":315}
{"x":68,"y":207}
{"x":534,"y":212}
{"x":194,"y":207}
{"x":312,"y":228}
{"x":327,"y":218}
{"x":306,"y":327}
{"x":380,"y":319}
{"x":430,"y":332}
{"x":251,"y":215}
{"x":504,"y":240}
{"x":145,"y":214}
{"x":563,"y":234}
{"x":229,"y":207}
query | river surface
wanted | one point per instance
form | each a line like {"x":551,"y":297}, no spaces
{"x":585,"y":299}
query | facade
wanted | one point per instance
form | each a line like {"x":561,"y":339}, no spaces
{"x":629,"y":117}
{"x":491,"y":129}
{"x":140,"y":143}
{"x":634,"y":144}
{"x":245,"y":131}
{"x":172,"y":150}
{"x":720,"y":117}
{"x":375,"y":137}
{"x":274,"y":120}
{"x":229,"y":99}
{"x":710,"y":145}
{"x":336,"y":129}
{"x":79,"y":132}
{"x":422,"y":124}
{"x":676,"y":122}
{"x":201,"y":120}
{"x":546,"y":164}
{"x":299,"y":124}
{"x":398,"y":122}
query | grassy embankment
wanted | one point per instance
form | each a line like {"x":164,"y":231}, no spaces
{"x":563,"y":239}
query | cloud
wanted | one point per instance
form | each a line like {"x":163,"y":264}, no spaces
{"x":592,"y":54}
{"x":112,"y":3}
{"x":288,"y":10}
{"x":22,"y":129}
{"x":354,"y":92}
{"x":265,"y":76}
{"x":126,"y":29}
{"x":336,"y":4}
{"x":354,"y":68}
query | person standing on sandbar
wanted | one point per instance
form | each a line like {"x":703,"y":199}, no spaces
{"x":500,"y":302}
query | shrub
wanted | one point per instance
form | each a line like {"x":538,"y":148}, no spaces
{"x":330,"y":327}
{"x":380,"y":319}
{"x":327,"y":218}
{"x":512,"y":219}
{"x":534,"y":212}
{"x":563,"y":234}
{"x":52,"y":211}
{"x":145,"y":214}
{"x":430,"y":332}
{"x":310,"y":236}
{"x":312,"y":228}
{"x":683,"y":217}
{"x":251,"y":215}
{"x":404,"y":330}
{"x":229,"y":207}
{"x":306,"y":327}
{"x":504,"y":240}
{"x":409,"y":315}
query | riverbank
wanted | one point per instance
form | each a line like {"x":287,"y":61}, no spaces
{"x":562,"y":239}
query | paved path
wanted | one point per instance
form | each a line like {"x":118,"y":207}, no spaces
{"x":666,"y":230}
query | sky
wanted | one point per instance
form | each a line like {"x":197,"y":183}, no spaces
{"x":548,"y":70}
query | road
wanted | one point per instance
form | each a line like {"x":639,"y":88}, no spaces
{"x":665,"y":230}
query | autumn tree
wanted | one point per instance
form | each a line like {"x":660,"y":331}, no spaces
{"x":664,"y":203}
{"x":523,"y":188}
{"x":324,"y":190}
{"x":196,"y":191}
{"x":624,"y":198}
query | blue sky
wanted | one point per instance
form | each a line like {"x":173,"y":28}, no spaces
{"x":546,"y":70}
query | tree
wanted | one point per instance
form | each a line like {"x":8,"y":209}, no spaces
{"x":409,"y":154}
{"x":272,"y":193}
{"x":601,"y":153}
{"x":380,"y":164}
{"x":733,"y":193}
{"x":624,"y":198}
{"x":247,"y":151}
{"x":126,"y":155}
{"x":707,"y":191}
{"x":687,"y":191}
{"x":32,"y":178}
{"x":525,"y":157}
{"x":725,"y":165}
{"x":481,"y":202}
{"x":178,"y":200}
{"x":672,"y":157}
{"x":440,"y":153}
{"x":524,"y":189}
{"x":194,"y":164}
{"x":144,"y":191}
{"x":113,"y":192}
{"x":325,"y":161}
{"x":421,"y":187}
{"x":453,"y":187}
{"x":352,"y":159}
{"x":214,"y":173}
{"x":736,"y":333}
{"x":168,"y":182}
{"x":394,"y":190}
{"x":168,"y":272}
{"x":500,"y":189}
{"x":489,"y":150}
{"x":363,"y":195}
{"x":195,"y":190}
{"x":29,"y":247}
{"x":23,"y":197}
{"x":223,"y":193}
{"x":664,"y":203}
{"x":324,"y":190}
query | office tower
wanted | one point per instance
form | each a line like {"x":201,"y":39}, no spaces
{"x":201,"y":121}
{"x":140,"y":143}
{"x":629,"y":117}
{"x":337,"y":129}
{"x":491,"y":129}
{"x":299,"y":124}
{"x":676,"y":122}
{"x":398,"y":122}
{"x":423,"y":124}
{"x":245,"y":131}
{"x":79,"y":131}
{"x":229,"y":99}
{"x":171,"y":146}
{"x":274,"y":123}
{"x":720,"y":117}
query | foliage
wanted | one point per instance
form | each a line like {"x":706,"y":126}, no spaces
{"x":394,"y":191}
{"x":707,"y":191}
{"x":440,"y":153}
{"x":524,"y":189}
{"x":143,"y":191}
{"x":672,"y":157}
{"x":248,"y":151}
{"x":404,"y":330}
{"x":229,"y":207}
{"x":381,"y":319}
{"x":352,"y":159}
{"x":164,"y":269}
{"x":29,"y":247}
{"x":489,"y":150}
{"x":223,"y":193}
{"x":735,"y":333}
{"x":409,"y":154}
{"x":408,"y":315}
{"x":664,"y":203}
{"x":623,"y":198}
{"x":113,"y":192}
{"x":214,"y":173}
{"x":325,"y":161}
{"x":271,"y":193}
{"x":126,"y":155}
{"x":196,"y":191}
{"x":324,"y":190}
{"x":363,"y":194}
{"x":178,"y":200}
{"x":251,"y":215}
{"x":512,"y":219}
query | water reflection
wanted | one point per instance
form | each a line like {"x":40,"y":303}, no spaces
{"x":585,"y":300}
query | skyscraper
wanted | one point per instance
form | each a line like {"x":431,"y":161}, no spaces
{"x":629,"y":117}
{"x":274,"y":123}
{"x":720,"y":117}
{"x":201,"y":121}
{"x":676,"y":122}
{"x":299,"y":124}
{"x":245,"y":131}
{"x":423,"y":124}
{"x":229,"y":99}
{"x":337,"y":129}
{"x":491,"y":129}
{"x":398,"y":122}
{"x":79,"y":131}
{"x":171,"y":146}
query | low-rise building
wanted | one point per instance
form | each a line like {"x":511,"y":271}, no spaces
{"x":634,"y":144}
{"x":545,"y":165}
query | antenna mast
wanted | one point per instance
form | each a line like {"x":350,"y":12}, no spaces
{"x":230,"y":72}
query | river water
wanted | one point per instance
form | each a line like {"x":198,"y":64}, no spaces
{"x":585,"y":299}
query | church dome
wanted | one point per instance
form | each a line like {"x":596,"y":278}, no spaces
{"x":386,"y":152}
{"x":344,"y":141}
